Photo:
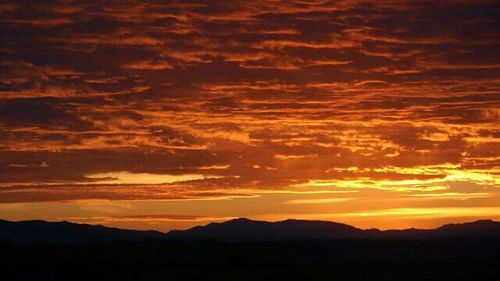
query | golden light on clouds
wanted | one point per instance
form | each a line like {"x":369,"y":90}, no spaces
{"x":166,"y":115}
{"x":144,"y":178}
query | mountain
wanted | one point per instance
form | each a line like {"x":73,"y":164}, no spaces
{"x":31,"y":232}
{"x":248,"y":230}
{"x":478,"y":229}
{"x":286,"y":250}
{"x":469,"y":230}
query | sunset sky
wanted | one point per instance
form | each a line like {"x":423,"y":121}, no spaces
{"x":170,"y":114}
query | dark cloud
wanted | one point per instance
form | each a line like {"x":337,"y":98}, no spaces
{"x":276,"y":93}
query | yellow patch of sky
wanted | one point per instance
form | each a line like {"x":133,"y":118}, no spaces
{"x":318,"y":201}
{"x":449,"y":172}
{"x":452,"y":195}
{"x":124,"y":177}
{"x":429,"y":212}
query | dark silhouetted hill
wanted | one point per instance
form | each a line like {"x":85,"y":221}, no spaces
{"x":248,"y":230}
{"x":243,"y":250}
{"x":470,"y":230}
{"x":30,"y":232}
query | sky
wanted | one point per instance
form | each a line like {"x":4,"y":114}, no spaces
{"x":170,"y":114}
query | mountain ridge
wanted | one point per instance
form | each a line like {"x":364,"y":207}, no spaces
{"x":292,"y":229}
{"x":240,"y":229}
{"x":64,"y":232}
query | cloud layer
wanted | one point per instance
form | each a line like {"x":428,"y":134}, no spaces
{"x":209,"y":100}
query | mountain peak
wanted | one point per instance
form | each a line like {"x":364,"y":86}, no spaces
{"x":242,"y":219}
{"x":64,"y":232}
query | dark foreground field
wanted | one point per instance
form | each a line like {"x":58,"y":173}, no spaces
{"x":368,"y":259}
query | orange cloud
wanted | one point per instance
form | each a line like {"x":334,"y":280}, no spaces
{"x":238,"y":109}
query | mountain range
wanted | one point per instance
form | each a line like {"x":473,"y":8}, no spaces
{"x":37,"y":231}
{"x":242,"y":229}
